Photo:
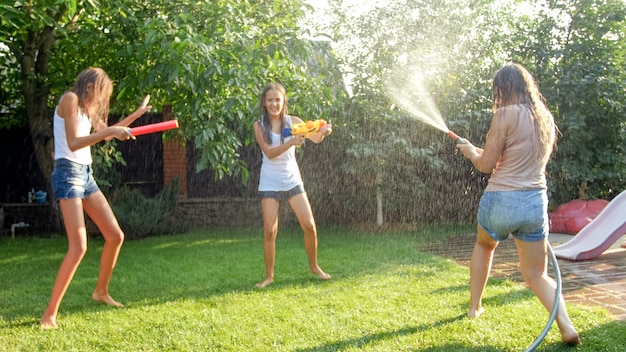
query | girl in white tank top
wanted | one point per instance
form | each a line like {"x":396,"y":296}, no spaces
{"x":280,"y":176}
{"x":84,"y":106}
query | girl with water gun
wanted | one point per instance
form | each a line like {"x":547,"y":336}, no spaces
{"x":280,"y":176}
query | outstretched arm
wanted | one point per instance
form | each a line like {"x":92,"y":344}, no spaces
{"x":325,"y":131}
{"x":316,"y":137}
{"x":143,"y":108}
{"x":485,"y":160}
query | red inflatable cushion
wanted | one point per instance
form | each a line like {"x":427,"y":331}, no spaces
{"x":572,"y":216}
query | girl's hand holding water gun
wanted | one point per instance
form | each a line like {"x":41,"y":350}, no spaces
{"x":297,"y":141}
{"x":326,"y":130}
{"x":315,"y":130}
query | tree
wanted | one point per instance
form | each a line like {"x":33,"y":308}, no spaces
{"x":450,"y":45}
{"x":29,"y":30}
{"x":375,"y":161}
{"x":577,"y":49}
{"x":209,"y":60}
{"x":574,"y":48}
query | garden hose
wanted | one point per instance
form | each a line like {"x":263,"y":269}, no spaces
{"x":555,"y":309}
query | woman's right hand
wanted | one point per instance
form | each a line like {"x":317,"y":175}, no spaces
{"x":121,"y":133}
{"x":468,"y":150}
{"x":297,"y":140}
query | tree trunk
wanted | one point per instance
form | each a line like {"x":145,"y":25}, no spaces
{"x":379,"y":201}
{"x":582,"y":190}
{"x":34,"y":56}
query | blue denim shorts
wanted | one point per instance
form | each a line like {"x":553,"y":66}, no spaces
{"x":72,"y":180}
{"x":523,"y":214}
{"x":282,"y":194}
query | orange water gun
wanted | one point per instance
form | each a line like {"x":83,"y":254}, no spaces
{"x":304,"y":129}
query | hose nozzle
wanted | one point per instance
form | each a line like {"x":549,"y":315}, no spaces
{"x":456,"y":138}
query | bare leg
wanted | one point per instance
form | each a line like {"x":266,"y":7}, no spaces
{"x":74,"y":220}
{"x":270,"y":231}
{"x":300,"y":205}
{"x":480,"y":268}
{"x":98,"y":209}
{"x":533,"y":264}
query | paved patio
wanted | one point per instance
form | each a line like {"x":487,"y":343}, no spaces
{"x":597,"y":282}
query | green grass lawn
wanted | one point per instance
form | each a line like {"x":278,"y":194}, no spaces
{"x":195,"y":292}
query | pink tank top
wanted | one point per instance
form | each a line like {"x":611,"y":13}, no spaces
{"x":519,"y":167}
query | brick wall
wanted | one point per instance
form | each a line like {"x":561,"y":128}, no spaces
{"x":220,"y":212}
{"x":203,"y":213}
{"x":190,"y":214}
{"x":174,"y":158}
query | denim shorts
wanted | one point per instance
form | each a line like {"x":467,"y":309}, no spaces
{"x":72,"y":180}
{"x":282,"y":194}
{"x":523,"y":214}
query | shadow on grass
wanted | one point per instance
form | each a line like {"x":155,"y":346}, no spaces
{"x":607,"y":338}
{"x":360,"y":342}
{"x":503,"y":299}
{"x":458,"y":347}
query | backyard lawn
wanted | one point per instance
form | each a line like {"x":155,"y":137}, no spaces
{"x":195,"y":292}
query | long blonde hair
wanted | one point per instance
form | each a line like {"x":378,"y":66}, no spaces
{"x":514,"y":80}
{"x":265,"y":116}
{"x":102,"y":89}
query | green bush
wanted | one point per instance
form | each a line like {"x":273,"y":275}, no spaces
{"x":141,"y":217}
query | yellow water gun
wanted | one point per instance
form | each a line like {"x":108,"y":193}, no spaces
{"x":304,"y":129}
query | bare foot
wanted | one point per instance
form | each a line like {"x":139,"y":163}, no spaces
{"x":569,"y":336}
{"x":48,"y":323}
{"x":320,"y":273}
{"x":268,"y":281}
{"x":571,"y":339}
{"x":106,"y":299}
{"x":475,"y":313}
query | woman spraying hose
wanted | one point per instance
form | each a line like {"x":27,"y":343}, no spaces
{"x":518,"y":147}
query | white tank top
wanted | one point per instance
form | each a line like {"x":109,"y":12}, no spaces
{"x":281,"y":173}
{"x":61,"y":148}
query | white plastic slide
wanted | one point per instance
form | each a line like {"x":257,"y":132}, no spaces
{"x":595,"y":238}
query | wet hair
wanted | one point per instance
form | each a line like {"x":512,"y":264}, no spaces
{"x":514,"y":81}
{"x":265,"y":116}
{"x":102,"y":89}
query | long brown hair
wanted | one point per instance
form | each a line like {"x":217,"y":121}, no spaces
{"x":514,"y":80}
{"x":265,"y":116}
{"x":102,"y":89}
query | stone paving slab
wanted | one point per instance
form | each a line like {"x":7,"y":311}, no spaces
{"x":597,"y":282}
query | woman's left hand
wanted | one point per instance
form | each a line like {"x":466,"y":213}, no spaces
{"x":326,"y":130}
{"x":144,"y":107}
